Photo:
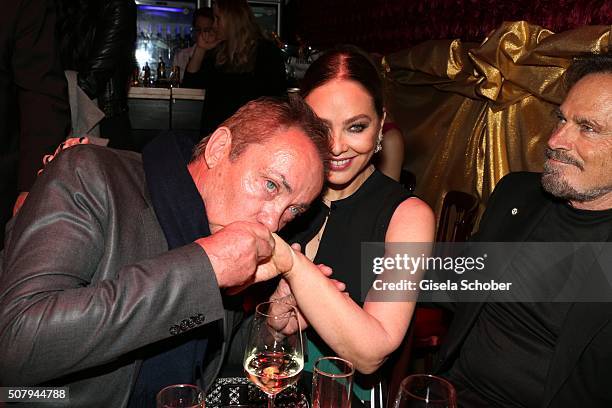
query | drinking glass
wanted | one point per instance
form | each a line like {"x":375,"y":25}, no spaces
{"x":180,"y":396}
{"x":424,"y":390}
{"x":332,"y":380}
{"x":274,"y":357}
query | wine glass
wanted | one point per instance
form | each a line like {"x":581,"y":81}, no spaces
{"x":425,"y":391}
{"x":274,"y":356}
{"x":332,"y":380}
{"x":180,"y":396}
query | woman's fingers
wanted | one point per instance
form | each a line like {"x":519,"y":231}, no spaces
{"x":73,"y":141}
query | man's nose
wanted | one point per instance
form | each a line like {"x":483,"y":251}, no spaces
{"x":561,"y":137}
{"x":270,"y":218}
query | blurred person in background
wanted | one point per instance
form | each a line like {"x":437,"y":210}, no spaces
{"x":390,"y":158}
{"x":235,"y":64}
{"x":34,"y":113}
{"x":202,"y":23}
{"x":97,"y":40}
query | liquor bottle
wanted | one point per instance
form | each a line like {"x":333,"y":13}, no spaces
{"x":136,"y":76}
{"x":161,"y":70}
{"x":159,"y":37}
{"x":169,"y":42}
{"x":146,"y":78}
{"x":178,"y":38}
{"x":175,"y":77}
{"x":188,"y":37}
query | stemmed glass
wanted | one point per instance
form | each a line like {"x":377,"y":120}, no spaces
{"x":180,"y":396}
{"x":274,"y":356}
{"x":425,"y":391}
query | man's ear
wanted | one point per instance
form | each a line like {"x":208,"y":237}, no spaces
{"x":218,"y":147}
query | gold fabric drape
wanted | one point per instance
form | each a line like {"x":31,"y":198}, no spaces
{"x":473,"y":112}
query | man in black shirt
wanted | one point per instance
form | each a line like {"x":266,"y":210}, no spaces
{"x":545,"y":354}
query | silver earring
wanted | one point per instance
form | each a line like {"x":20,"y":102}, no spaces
{"x":379,"y":139}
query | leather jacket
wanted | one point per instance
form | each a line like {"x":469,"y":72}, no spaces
{"x":111,"y":57}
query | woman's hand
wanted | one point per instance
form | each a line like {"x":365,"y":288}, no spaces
{"x":283,"y":294}
{"x":207,"y":40}
{"x":73,"y":141}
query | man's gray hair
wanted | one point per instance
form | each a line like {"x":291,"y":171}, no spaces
{"x":259,"y":120}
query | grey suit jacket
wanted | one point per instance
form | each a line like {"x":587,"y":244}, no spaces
{"x":87,"y":278}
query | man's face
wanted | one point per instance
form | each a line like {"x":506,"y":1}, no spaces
{"x":579,"y":155}
{"x":270,"y":183}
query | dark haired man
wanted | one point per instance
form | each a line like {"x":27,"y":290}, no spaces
{"x":547,"y":354}
{"x":114,"y":268}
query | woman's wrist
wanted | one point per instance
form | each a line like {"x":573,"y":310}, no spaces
{"x":195,"y":62}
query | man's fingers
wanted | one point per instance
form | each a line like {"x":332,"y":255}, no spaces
{"x":237,"y":289}
{"x":339,"y":285}
{"x":266,"y":271}
{"x":264,"y":248}
{"x":327,"y":271}
{"x":264,"y":241}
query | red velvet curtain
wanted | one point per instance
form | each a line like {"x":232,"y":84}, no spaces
{"x":391,"y":25}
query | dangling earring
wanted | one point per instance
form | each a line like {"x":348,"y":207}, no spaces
{"x":379,"y":139}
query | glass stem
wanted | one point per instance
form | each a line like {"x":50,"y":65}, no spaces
{"x":270,"y":401}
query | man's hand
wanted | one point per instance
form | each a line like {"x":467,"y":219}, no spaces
{"x":235,"y":252}
{"x":278,"y":263}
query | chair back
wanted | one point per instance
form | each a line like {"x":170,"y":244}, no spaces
{"x":457,"y":217}
{"x":408,"y":180}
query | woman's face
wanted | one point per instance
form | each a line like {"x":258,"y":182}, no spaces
{"x":219,"y":24}
{"x":349,"y":111}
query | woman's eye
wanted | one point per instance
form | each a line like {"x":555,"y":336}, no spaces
{"x":358,"y":127}
{"x":271,"y":186}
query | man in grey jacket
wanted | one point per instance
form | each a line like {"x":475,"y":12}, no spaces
{"x":115,"y":262}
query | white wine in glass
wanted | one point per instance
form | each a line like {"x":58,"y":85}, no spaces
{"x":274,"y":356}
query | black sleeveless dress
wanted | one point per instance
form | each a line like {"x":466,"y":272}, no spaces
{"x":364,"y":216}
